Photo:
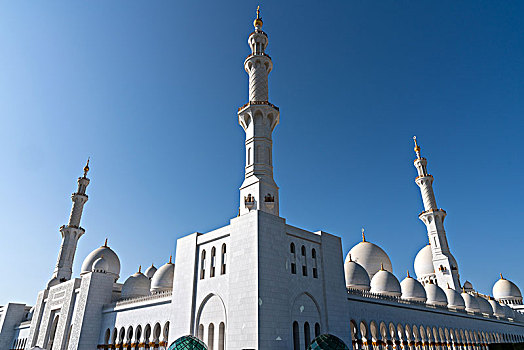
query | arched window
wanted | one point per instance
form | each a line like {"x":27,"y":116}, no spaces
{"x":296,"y":336}
{"x":147,"y":335}
{"x":121,"y":336}
{"x":165,"y":333}
{"x":317,"y":329}
{"x":224,"y":257}
{"x":213,"y":258}
{"x":315,"y":267}
{"x":156,"y":333}
{"x":200,"y":334}
{"x":307,"y":335}
{"x":138,"y":335}
{"x":222,"y":336}
{"x":203,"y":265}
{"x":115,"y":334}
{"x":107,"y":336}
{"x":210,"y":336}
{"x":293,"y":259}
{"x":304,"y":261}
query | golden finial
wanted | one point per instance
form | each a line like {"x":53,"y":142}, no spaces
{"x":105,"y":243}
{"x":86,"y":168}
{"x":381,"y":266}
{"x":463,"y":289}
{"x":448,"y":286}
{"x":501,"y":277}
{"x":349,"y":256}
{"x":417,"y":147}
{"x":170,"y":259}
{"x":363,"y":235}
{"x":408,"y":274}
{"x":140,"y":269}
{"x":258,"y":21}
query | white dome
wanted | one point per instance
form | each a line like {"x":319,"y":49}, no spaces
{"x":384,"y":282}
{"x":484,"y":305}
{"x":497,"y":308}
{"x":356,"y":275}
{"x":471,"y":302}
{"x":412,"y":289}
{"x":424,"y":262}
{"x":370,"y":256}
{"x":508,"y":312}
{"x":137,"y":285}
{"x":100,"y":265}
{"x":109,"y":256}
{"x":454,"y":299}
{"x":150,"y":271}
{"x":163,"y":278}
{"x":504,"y":289}
{"x":435,"y":295}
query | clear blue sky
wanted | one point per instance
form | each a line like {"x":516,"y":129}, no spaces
{"x":150,"y":89}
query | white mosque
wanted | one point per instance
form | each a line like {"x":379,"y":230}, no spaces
{"x":259,"y":283}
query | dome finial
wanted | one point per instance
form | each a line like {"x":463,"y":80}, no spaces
{"x":449,"y":286}
{"x":86,"y":168}
{"x":171,"y":259}
{"x":105,"y":243}
{"x":381,"y":266}
{"x":501,"y":277}
{"x":417,"y":147}
{"x":363,"y":235}
{"x":258,"y":21}
{"x":140,"y":269}
{"x":408,"y":274}
{"x":463,"y":289}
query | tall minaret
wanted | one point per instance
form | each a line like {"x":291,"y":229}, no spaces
{"x":258,"y":118}
{"x":71,"y":233}
{"x":445,"y":265}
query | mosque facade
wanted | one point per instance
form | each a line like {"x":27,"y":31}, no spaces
{"x":260,"y":283}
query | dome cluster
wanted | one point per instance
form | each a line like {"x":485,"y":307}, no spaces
{"x":367,"y":268}
{"x":104,"y":260}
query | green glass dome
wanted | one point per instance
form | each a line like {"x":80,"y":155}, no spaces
{"x":187,"y":342}
{"x":327,"y":342}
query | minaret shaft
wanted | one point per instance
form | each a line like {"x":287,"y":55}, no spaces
{"x":445,"y":265}
{"x":258,"y":118}
{"x":71,"y":233}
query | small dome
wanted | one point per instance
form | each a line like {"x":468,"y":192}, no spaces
{"x":150,"y":271}
{"x":384,"y":282}
{"x":471,"y":302}
{"x":370,"y":256}
{"x":356,"y":275}
{"x":187,"y":342}
{"x":435,"y":295}
{"x":412,"y":289}
{"x":100,"y":265}
{"x":163,"y":279}
{"x":424,"y":262}
{"x":327,"y":341}
{"x":109,"y":256}
{"x":137,"y":285}
{"x":504,"y":289}
{"x":497,"y":308}
{"x":454,"y":298}
{"x":468,"y":287}
{"x":484,"y":305}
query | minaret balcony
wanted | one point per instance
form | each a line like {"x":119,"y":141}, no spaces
{"x":257,"y":103}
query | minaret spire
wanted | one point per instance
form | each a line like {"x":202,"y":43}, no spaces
{"x":444,"y":264}
{"x":258,"y":118}
{"x":71,"y":233}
